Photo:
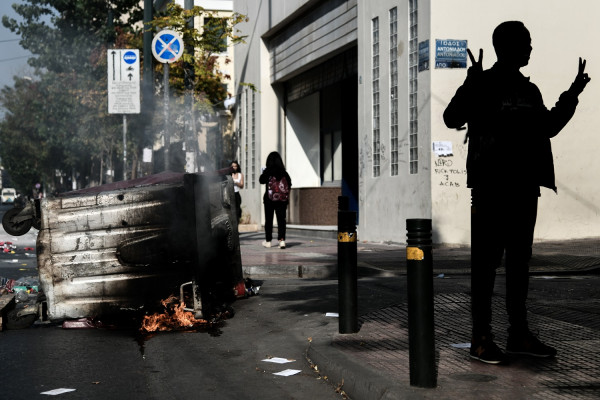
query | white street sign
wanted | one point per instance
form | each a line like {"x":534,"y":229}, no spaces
{"x":123,"y":81}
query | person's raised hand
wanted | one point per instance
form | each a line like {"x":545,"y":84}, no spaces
{"x":581,"y":80}
{"x":476,"y":65}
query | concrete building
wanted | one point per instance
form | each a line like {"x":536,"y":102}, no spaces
{"x":351,"y":93}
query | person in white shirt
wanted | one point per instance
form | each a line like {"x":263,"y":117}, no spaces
{"x":238,"y":183}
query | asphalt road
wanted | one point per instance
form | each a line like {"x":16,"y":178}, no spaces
{"x":118,"y":362}
{"x":227,"y":361}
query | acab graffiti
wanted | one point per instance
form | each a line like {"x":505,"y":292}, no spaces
{"x":449,"y":175}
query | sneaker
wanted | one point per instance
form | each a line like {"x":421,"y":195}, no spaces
{"x":266,"y":244}
{"x":282,"y":244}
{"x":485,"y":350}
{"x":529,"y":345}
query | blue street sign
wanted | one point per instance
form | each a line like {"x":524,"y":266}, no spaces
{"x":130,"y":57}
{"x":167,"y":46}
{"x":450,"y":53}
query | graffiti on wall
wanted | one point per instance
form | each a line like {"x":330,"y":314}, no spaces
{"x":449,"y":175}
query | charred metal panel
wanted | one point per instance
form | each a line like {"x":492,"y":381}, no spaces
{"x":108,"y":249}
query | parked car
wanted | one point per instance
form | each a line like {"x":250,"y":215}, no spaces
{"x":8,"y":195}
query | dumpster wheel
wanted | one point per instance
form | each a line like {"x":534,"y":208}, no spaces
{"x":16,"y":321}
{"x":13,"y":225}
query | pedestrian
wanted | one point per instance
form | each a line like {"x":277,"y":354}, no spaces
{"x":509,"y":158}
{"x":276,"y":198}
{"x":238,"y":183}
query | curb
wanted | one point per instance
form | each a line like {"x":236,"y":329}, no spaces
{"x":356,"y":380}
{"x":329,"y":271}
{"x":290,"y":271}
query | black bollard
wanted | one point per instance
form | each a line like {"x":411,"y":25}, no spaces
{"x":421,"y":343}
{"x":347,"y":268}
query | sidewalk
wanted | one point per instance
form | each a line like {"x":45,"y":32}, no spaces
{"x":374,"y":363}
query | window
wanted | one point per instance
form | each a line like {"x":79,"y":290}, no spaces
{"x":413,"y":60}
{"x":375,"y":96}
{"x":246,"y":158}
{"x":215,"y":34}
{"x":394,"y":90}
{"x":331,"y":156}
{"x":253,"y":132}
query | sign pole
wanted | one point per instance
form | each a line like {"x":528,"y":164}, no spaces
{"x":167,"y":135}
{"x":167,"y":47}
{"x":123,"y":89}
{"x":124,"y":147}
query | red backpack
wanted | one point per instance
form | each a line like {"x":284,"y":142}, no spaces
{"x":278,"y":189}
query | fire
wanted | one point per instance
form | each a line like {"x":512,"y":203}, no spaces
{"x":174,"y":317}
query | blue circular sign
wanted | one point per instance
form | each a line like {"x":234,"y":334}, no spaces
{"x":167,"y":46}
{"x":129,"y":57}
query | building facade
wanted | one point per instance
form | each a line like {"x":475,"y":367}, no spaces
{"x":352,"y":93}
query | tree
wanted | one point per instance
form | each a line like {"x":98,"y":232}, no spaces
{"x":57,"y":128}
{"x":197,"y":71}
{"x":69,"y":39}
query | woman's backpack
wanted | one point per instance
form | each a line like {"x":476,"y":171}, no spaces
{"x":278,"y":189}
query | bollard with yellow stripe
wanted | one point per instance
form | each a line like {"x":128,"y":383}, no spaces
{"x":347,"y":269}
{"x":347,"y":237}
{"x":414,"y":254}
{"x":421,"y":341}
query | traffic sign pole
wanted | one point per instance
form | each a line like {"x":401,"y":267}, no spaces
{"x":167,"y":47}
{"x":124,"y":88}
{"x":167,"y":133}
{"x":124,"y":147}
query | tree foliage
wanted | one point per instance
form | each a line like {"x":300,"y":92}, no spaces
{"x":207,"y":43}
{"x":63,"y":129}
{"x":56,"y":127}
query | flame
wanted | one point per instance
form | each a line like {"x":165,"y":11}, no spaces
{"x":174,"y":318}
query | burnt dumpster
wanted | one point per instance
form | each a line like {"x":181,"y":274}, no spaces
{"x":122,"y":246}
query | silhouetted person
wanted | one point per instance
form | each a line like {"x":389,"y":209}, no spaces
{"x":509,"y":158}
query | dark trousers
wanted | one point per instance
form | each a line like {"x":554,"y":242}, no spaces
{"x":501,"y":224}
{"x":280,"y":209}
{"x":238,"y":204}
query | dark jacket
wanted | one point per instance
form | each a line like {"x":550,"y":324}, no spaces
{"x":277,"y":173}
{"x":509,"y":129}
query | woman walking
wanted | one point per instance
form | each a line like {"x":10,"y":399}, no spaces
{"x":278,"y":184}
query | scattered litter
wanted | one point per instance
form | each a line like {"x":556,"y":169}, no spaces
{"x":8,"y":247}
{"x":332,"y":314}
{"x":23,"y":286}
{"x":461,"y":345}
{"x":278,"y":360}
{"x":246,"y":288}
{"x":21,"y":296}
{"x":55,"y":392}
{"x":287,"y":372}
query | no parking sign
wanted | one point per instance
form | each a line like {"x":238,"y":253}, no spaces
{"x":167,"y":46}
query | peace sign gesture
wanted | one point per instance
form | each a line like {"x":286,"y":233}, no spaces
{"x":581,"y":80}
{"x":476,"y":66}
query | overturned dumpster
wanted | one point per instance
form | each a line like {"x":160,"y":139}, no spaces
{"x":122,"y":246}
